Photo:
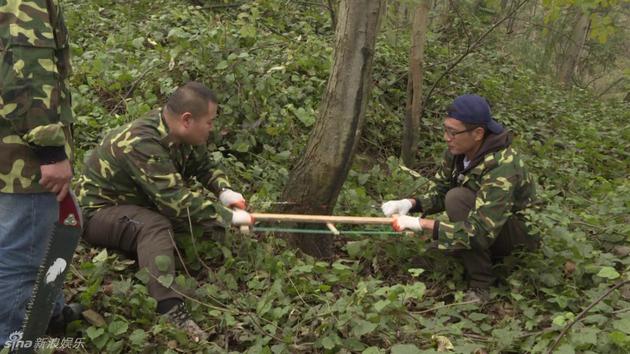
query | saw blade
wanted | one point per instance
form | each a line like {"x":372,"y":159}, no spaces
{"x":52,"y":272}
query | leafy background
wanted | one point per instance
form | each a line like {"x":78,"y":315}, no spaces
{"x":268,"y":61}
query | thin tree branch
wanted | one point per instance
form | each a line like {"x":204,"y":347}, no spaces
{"x":472,"y":47}
{"x":584,"y":312}
{"x":181,"y":259}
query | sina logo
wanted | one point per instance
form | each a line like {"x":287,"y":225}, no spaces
{"x":15,"y":341}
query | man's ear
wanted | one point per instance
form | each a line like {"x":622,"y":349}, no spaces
{"x":186,"y":119}
{"x":479,"y":133}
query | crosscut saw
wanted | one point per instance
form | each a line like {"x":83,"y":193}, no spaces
{"x":52,"y":272}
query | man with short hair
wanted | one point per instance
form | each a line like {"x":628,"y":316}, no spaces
{"x":35,"y":147}
{"x":150,"y":177}
{"x":484,"y":188}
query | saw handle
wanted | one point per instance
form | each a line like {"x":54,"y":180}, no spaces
{"x":69,"y":211}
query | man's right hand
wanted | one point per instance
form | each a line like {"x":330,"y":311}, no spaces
{"x":56,"y":178}
{"x":232,"y":199}
{"x":241,"y":217}
{"x":400,"y":207}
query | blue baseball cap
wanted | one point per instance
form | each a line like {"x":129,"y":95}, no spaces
{"x":474,"y":109}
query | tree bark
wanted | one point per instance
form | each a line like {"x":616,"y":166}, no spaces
{"x":316,"y":180}
{"x":571,"y":56}
{"x":411,"y":129}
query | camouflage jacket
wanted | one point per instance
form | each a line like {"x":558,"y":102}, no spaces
{"x":502,"y":185}
{"x":138,"y":164}
{"x":35,"y":109}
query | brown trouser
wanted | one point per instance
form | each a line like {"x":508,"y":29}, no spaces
{"x":478,"y":263}
{"x":142,"y":232}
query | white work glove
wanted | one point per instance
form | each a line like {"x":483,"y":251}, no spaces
{"x":232,"y":199}
{"x":404,"y":222}
{"x":241,"y":217}
{"x":400,"y":207}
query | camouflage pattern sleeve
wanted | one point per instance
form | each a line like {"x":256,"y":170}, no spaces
{"x":35,"y":65}
{"x":493,"y":206}
{"x":433,"y":200}
{"x":207,"y":171}
{"x":152,"y":169}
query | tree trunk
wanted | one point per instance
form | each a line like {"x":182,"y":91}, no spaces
{"x":414,"y":83}
{"x":315,"y":182}
{"x":571,"y":56}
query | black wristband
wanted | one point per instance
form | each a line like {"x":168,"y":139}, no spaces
{"x":416,"y":208}
{"x":436,"y":230}
{"x":48,"y":155}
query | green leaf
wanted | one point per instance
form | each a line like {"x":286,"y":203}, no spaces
{"x":248,"y":31}
{"x":328,"y":343}
{"x":94,"y":332}
{"x":565,"y":349}
{"x":222,"y":65}
{"x":117,"y":327}
{"x":305,"y":117}
{"x":355,"y":248}
{"x":415,"y":272}
{"x":163,"y":262}
{"x":405,"y":349}
{"x":608,"y":273}
{"x":138,"y":337}
{"x":166,"y":280}
{"x":619,"y":338}
{"x":372,"y":350}
{"x":622,"y":325}
{"x":380,"y":305}
{"x":362,"y":327}
{"x":143,"y":275}
{"x":101,"y":257}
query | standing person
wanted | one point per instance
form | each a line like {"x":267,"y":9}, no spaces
{"x":150,"y":177}
{"x":484,"y":187}
{"x":35,"y":140}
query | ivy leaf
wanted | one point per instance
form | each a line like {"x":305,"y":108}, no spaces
{"x":608,"y":273}
{"x":248,"y":31}
{"x":363,"y":327}
{"x":222,"y":65}
{"x":355,"y":248}
{"x":405,"y":349}
{"x":618,"y":338}
{"x":622,"y":325}
{"x":372,"y":350}
{"x":143,"y":275}
{"x":162,"y":262}
{"x":117,"y":327}
{"x":565,"y":349}
{"x":328,"y":343}
{"x":305,"y":117}
{"x":166,"y":280}
{"x":415,"y":272}
{"x":380,"y":305}
{"x":101,"y":257}
{"x":138,"y":337}
{"x":93,"y":332}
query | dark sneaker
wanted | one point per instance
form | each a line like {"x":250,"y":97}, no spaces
{"x":57,"y":325}
{"x":478,"y":295}
{"x":180,"y":317}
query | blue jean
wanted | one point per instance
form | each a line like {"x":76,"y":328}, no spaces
{"x":26,"y":224}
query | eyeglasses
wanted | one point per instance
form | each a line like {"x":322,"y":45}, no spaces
{"x":451,"y":134}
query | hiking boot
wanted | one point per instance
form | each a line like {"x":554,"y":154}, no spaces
{"x":180,"y":318}
{"x":478,"y":295}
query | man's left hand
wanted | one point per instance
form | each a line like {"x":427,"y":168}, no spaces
{"x":232,"y":199}
{"x":405,"y":222}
